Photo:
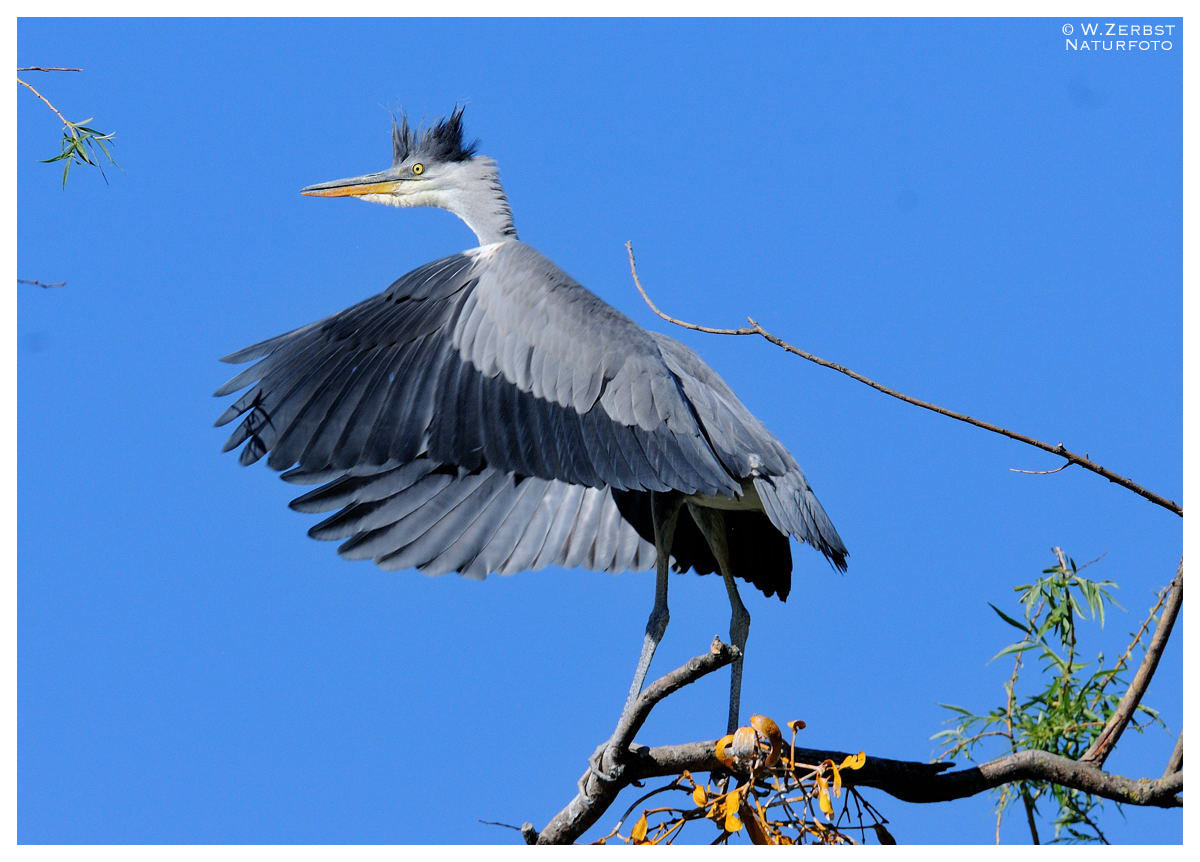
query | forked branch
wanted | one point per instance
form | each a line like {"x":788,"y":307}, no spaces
{"x":596,"y":795}
{"x":910,"y":781}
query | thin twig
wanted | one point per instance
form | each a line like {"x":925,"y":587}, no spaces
{"x":1090,"y":823}
{"x":41,"y":283}
{"x":637,"y":282}
{"x":1103,"y":746}
{"x":1029,"y":813}
{"x":674,"y":785}
{"x":48,"y":69}
{"x":1175,"y":761}
{"x":960,"y":747}
{"x":1012,"y":745}
{"x":1120,"y":665}
{"x":1043,"y":472}
{"x":50,"y":105}
{"x":1060,"y":450}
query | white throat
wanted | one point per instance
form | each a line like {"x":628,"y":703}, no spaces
{"x":475,"y":195}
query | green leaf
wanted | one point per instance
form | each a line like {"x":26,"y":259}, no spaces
{"x":1019,"y":646}
{"x":957,"y":709}
{"x":1009,"y":619}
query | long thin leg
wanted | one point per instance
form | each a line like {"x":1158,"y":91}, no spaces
{"x":739,"y":631}
{"x":664,"y":510}
{"x":712,"y":525}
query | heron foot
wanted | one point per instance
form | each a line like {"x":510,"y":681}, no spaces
{"x":596,"y":768}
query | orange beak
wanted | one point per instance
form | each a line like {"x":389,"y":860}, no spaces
{"x":371,"y":184}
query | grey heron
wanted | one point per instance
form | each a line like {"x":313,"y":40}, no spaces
{"x":488,"y":414}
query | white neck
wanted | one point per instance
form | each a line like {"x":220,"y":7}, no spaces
{"x":478,"y":199}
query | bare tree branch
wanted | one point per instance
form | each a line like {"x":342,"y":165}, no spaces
{"x":1043,"y":472}
{"x":621,"y":763}
{"x":595,"y":796}
{"x":910,"y":781}
{"x":1060,"y":450}
{"x":49,"y":104}
{"x":1039,"y":766}
{"x":1103,"y":746}
{"x":879,"y":772}
{"x":41,"y":283}
{"x":48,"y":69}
{"x":719,"y":655}
{"x":1029,"y":818}
{"x":1151,"y":617}
{"x":1175,"y":761}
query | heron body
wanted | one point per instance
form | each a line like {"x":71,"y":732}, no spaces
{"x":488,"y":414}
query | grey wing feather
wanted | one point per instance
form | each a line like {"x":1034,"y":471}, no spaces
{"x":748,"y":449}
{"x":458,"y":347}
{"x":793,"y":508}
{"x":440,"y":519}
{"x":478,"y":414}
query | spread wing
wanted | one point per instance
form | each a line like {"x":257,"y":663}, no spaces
{"x":493,"y":358}
{"x":478,"y":414}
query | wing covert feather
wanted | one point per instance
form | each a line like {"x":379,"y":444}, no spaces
{"x":460,"y":346}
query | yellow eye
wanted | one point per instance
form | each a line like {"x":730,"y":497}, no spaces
{"x":418,"y":169}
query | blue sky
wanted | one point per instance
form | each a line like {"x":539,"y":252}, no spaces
{"x":963,"y":210}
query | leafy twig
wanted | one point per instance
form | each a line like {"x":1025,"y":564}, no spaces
{"x":1073,"y":713}
{"x":81,"y":144}
{"x":1107,"y":738}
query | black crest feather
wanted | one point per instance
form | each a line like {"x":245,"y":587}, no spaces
{"x":441,"y":142}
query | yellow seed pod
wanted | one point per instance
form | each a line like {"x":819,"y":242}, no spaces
{"x":723,"y":743}
{"x":854,"y":761}
{"x":771,"y":731}
{"x":823,"y":798}
{"x":732,"y":823}
{"x":639,"y":830}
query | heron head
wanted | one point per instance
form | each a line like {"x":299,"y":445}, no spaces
{"x":427,"y":167}
{"x":434,"y":168}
